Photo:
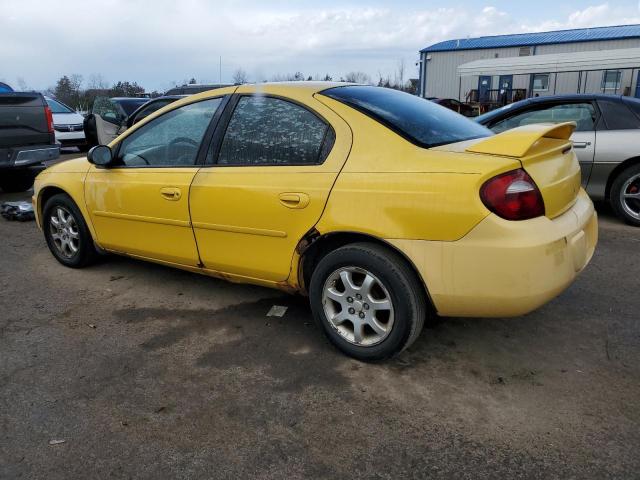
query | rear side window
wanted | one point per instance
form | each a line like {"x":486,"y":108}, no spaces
{"x":584,"y":114}
{"x":617,"y":116}
{"x":271,"y":131}
{"x":420,"y":121}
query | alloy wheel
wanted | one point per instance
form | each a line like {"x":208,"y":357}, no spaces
{"x":630,"y":196}
{"x":63,"y":229}
{"x":358,"y":306}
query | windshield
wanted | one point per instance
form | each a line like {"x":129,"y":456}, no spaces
{"x":420,"y":121}
{"x":57,"y":107}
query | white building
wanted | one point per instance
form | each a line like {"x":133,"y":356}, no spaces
{"x":589,"y":60}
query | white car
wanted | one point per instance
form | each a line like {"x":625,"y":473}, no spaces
{"x":68,"y":125}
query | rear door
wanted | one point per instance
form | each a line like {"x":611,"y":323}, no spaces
{"x":583,"y":113}
{"x":272,"y":165}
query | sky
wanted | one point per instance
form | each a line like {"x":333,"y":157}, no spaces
{"x":161,"y":43}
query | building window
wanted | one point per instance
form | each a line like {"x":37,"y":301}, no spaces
{"x":525,"y":51}
{"x":540,"y":82}
{"x":611,"y":80}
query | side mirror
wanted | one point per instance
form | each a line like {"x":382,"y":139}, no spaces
{"x":100,"y":155}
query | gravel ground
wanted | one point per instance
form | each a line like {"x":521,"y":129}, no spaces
{"x":148,"y":372}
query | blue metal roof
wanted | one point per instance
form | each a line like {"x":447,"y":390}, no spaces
{"x":540,"y":38}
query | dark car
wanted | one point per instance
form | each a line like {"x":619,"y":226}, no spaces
{"x":27,"y":139}
{"x":455,"y":105}
{"x":606,"y":141}
{"x":108,"y":118}
{"x":194,"y":88}
{"x":150,"y":107}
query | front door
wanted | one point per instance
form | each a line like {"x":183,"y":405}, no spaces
{"x":484,"y":85}
{"x":270,"y":178}
{"x":141,"y":205}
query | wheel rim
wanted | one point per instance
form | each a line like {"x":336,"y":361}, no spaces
{"x":63,"y":229}
{"x":358,"y":306}
{"x":630,"y":196}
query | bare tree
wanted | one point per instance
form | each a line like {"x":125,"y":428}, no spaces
{"x":22,"y":84}
{"x":239,"y":76}
{"x":97,"y":82}
{"x":357,"y":77}
{"x":400,"y":83}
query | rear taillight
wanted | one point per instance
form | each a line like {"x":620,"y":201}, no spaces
{"x":513,"y":195}
{"x":49,"y":115}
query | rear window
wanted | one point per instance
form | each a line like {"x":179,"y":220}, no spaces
{"x":57,"y":107}
{"x":420,"y":121}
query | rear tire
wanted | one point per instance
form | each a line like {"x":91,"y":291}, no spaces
{"x":67,"y":233}
{"x":625,"y":195}
{"x":367,"y":300}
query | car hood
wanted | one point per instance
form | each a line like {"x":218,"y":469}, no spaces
{"x":67,"y":118}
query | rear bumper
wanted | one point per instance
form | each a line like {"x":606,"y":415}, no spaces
{"x":19,"y":157}
{"x":504,"y":268}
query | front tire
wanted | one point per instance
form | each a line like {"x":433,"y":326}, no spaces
{"x":625,"y":195}
{"x":67,"y":233}
{"x":367,"y":300}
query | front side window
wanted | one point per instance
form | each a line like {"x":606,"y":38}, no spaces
{"x":173,"y":139}
{"x":420,"y":121}
{"x":611,"y":80}
{"x":540,"y":82}
{"x":583,"y":114}
{"x":271,"y":131}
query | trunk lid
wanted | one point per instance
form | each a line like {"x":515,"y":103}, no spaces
{"x":545,"y":152}
{"x":23,"y":121}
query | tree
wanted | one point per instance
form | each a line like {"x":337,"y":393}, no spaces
{"x":400,"y":83}
{"x":63,"y":90}
{"x":239,"y":76}
{"x":22,"y":85}
{"x":328,"y":78}
{"x":298,"y":76}
{"x":357,"y":77}
{"x":126,"y":89}
{"x":97,"y":82}
{"x":192,"y":81}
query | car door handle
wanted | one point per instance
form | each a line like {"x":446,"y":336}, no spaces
{"x":294,"y":200}
{"x":171,"y":193}
{"x":581,"y":144}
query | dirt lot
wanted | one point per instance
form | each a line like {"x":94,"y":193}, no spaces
{"x":148,"y":372}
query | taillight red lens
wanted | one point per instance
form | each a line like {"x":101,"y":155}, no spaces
{"x":513,"y":195}
{"x":49,"y":115}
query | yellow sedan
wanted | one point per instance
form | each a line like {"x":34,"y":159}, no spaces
{"x":383,"y":207}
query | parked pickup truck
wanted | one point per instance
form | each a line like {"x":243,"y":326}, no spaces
{"x":27,"y":139}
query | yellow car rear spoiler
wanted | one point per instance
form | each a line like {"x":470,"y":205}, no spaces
{"x":519,"y":141}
